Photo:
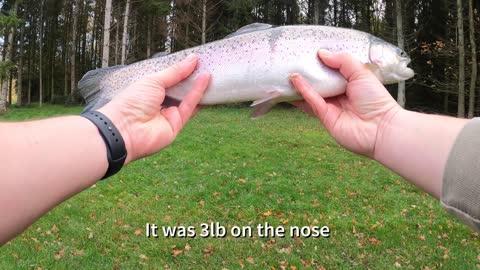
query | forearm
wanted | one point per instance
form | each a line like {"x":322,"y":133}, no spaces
{"x":42,"y":164}
{"x":416,"y":146}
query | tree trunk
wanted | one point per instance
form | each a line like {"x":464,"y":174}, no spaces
{"x":20,"y":66}
{"x":10,"y":87}
{"x":73,"y":50}
{"x":401,"y":45}
{"x":461,"y":56}
{"x":316,"y":12}
{"x":93,"y":49}
{"x":473,"y":45}
{"x":106,"y":33}
{"x":125,"y":32}
{"x":117,"y":39}
{"x":41,"y":56}
{"x":204,"y":21}
{"x":8,"y":57}
{"x":149,"y":36}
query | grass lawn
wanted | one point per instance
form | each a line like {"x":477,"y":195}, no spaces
{"x":283,"y":169}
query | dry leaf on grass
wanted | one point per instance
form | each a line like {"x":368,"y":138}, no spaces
{"x":177,"y":252}
{"x":59,"y":254}
{"x":208,"y":250}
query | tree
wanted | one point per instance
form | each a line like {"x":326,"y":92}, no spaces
{"x":106,"y":34}
{"x":461,"y":61}
{"x":10,"y":23}
{"x":20,"y":64}
{"x":125,"y":32}
{"x":73,"y":49}
{"x":400,"y":38}
{"x":473,"y":47}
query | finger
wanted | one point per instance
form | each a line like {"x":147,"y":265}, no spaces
{"x":174,"y":119}
{"x":317,"y":103}
{"x":190,"y":103}
{"x":348,"y":66}
{"x":176,"y":73}
{"x":304,"y":106}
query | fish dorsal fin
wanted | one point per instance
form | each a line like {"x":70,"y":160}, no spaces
{"x":254,"y":27}
{"x":160,"y":54}
{"x":91,"y":87}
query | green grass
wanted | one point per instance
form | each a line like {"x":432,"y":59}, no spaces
{"x":283,"y":169}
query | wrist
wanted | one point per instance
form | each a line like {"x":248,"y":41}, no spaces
{"x":122,"y":124}
{"x":391,"y":120}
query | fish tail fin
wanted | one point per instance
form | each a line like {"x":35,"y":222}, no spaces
{"x":91,"y":87}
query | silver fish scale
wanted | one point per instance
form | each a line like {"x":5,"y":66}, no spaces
{"x":251,"y":66}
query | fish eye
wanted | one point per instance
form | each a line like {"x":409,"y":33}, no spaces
{"x":403,"y":54}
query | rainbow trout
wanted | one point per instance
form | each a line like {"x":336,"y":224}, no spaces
{"x":254,"y":64}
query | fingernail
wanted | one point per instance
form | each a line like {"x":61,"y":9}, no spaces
{"x":294,"y":76}
{"x":324,"y":52}
{"x":192,"y":57}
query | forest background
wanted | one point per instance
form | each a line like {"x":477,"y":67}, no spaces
{"x":48,"y":45}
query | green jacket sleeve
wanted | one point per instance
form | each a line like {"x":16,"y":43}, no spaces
{"x":461,"y":179}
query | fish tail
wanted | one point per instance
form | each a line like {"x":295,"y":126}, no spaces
{"x":91,"y":87}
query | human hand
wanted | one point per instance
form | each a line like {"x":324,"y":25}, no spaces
{"x":146,"y":126}
{"x":355,"y":119}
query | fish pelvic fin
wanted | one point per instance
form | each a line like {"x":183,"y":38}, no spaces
{"x":91,"y":87}
{"x":262,"y":109}
{"x":264,"y":105}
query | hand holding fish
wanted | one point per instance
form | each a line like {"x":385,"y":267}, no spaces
{"x":354,"y":119}
{"x":145,"y":125}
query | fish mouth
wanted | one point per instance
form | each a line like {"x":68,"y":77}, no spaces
{"x":404,"y":72}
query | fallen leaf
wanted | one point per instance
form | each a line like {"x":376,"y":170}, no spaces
{"x":59,"y":254}
{"x":242,"y":180}
{"x":249,"y":260}
{"x":306,"y":263}
{"x":187,"y":247}
{"x":397,"y":264}
{"x":143,"y":257}
{"x":201,"y":202}
{"x":208,"y":250}
{"x":78,"y":252}
{"x":293,"y":267}
{"x":374,"y":241}
{"x":138,"y":232}
{"x":90,"y":235}
{"x":240,"y":261}
{"x":177,"y":252}
{"x":267,"y":213}
{"x":55,"y":229}
{"x":286,"y":250}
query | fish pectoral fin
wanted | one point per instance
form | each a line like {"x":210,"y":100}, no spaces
{"x":264,"y":105}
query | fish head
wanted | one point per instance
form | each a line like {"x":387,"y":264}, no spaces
{"x":389,"y":63}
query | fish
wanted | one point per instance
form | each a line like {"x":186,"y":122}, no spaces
{"x":254,"y":63}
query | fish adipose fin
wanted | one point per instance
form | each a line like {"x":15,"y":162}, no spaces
{"x":264,"y":105}
{"x":254,"y":27}
{"x":90,"y":87}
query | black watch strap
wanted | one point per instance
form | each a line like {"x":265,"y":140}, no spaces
{"x":116,"y":151}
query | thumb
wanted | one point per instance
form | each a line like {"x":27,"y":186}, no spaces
{"x":348,"y":66}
